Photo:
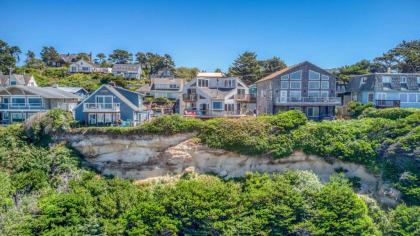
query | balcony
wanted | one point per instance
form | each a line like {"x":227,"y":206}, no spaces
{"x":212,"y":113}
{"x":191,"y":97}
{"x":387,"y":103}
{"x":101,"y":107}
{"x":307,"y":101}
{"x":245,"y":98}
{"x":21,"y":106}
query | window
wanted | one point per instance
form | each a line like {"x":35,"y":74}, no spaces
{"x":203,"y":83}
{"x":296,"y":75}
{"x":173,"y":86}
{"x":314,"y":75}
{"x":325,"y":94}
{"x":403,"y":97}
{"x":380,"y":96}
{"x":284,"y":77}
{"x":403,"y":80}
{"x":295,"y":85}
{"x":418,"y":80}
{"x":418,"y":97}
{"x":325,"y":84}
{"x":18,"y":101}
{"x":325,"y":77}
{"x":229,"y":83}
{"x":35,"y":102}
{"x":284,"y":84}
{"x":363,"y":80}
{"x":313,"y":112}
{"x":386,"y":79}
{"x":229,"y":107}
{"x":217,"y":106}
{"x":13,"y":82}
{"x":370,"y":97}
{"x":313,"y":94}
{"x":295,"y":95}
{"x":313,"y":84}
{"x":412,"y":97}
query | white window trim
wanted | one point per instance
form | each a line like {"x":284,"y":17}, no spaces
{"x":318,"y":75}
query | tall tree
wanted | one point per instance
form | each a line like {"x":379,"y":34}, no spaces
{"x":186,"y":73}
{"x":153,"y":62}
{"x":218,"y":70}
{"x":247,"y":67}
{"x":271,"y":65}
{"x":33,"y":62}
{"x":50,"y":56}
{"x":359,"y":68}
{"x":9,"y":56}
{"x":405,"y":57}
{"x":119,"y":56}
{"x":83,"y":56}
{"x":100,"y":58}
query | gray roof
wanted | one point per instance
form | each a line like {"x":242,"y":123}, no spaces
{"x":115,"y":91}
{"x":217,"y":93}
{"x":70,"y":89}
{"x":45,"y":92}
{"x":126,"y":67}
{"x":355,"y":84}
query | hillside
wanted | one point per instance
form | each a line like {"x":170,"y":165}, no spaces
{"x":49,"y":190}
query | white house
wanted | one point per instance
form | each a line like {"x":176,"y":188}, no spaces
{"x":128,"y":71}
{"x":83,"y":66}
{"x":15,"y":79}
{"x":207,"y":96}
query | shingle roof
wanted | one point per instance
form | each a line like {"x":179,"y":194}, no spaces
{"x":45,"y":92}
{"x":20,"y":79}
{"x":126,"y":67}
{"x":122,"y":97}
{"x":277,"y":73}
{"x":69,"y":89}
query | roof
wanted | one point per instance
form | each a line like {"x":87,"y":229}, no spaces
{"x":217,"y":93}
{"x":87,"y":62}
{"x":68,"y":57}
{"x":20,"y":79}
{"x":144,"y":89}
{"x":210,"y":74}
{"x":277,"y":73}
{"x":115,"y":91}
{"x":45,"y":92}
{"x":126,"y":67}
{"x":70,"y":89}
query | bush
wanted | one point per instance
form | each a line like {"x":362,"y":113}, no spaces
{"x":388,"y":113}
{"x":357,"y":108}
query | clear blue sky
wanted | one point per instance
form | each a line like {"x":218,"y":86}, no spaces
{"x":210,"y":34}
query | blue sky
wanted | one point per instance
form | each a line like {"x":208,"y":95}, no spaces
{"x":210,"y":34}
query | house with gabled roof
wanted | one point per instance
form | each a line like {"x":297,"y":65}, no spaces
{"x":303,"y":86}
{"x":17,"y":79}
{"x":18,"y":102}
{"x":128,"y":71}
{"x":207,"y":96}
{"x":83,"y":66}
{"x":111,"y":105}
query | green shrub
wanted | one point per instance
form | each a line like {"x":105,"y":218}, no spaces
{"x":357,"y":108}
{"x":388,"y":113}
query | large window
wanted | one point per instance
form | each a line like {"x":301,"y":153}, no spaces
{"x":313,"y":94}
{"x":412,"y":97}
{"x":18,"y":101}
{"x":314,"y":75}
{"x":295,"y":84}
{"x":284,"y":84}
{"x":324,"y":94}
{"x":325,"y":77}
{"x":403,"y":97}
{"x":217,"y":106}
{"x":35,"y":102}
{"x":296,"y":75}
{"x":229,"y":107}
{"x":325,"y":84}
{"x":403,"y":80}
{"x":295,"y":95}
{"x":418,"y":80}
{"x":313,"y":112}
{"x":313,"y":84}
{"x":284,"y":77}
{"x":203,"y":83}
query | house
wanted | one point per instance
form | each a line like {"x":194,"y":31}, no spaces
{"x":128,"y":71}
{"x":111,"y":105}
{"x":163,"y":73}
{"x":83,"y":66}
{"x":168,"y":87}
{"x":17,"y":103}
{"x":207,"y":96}
{"x":79,"y":91}
{"x":67,"y":58}
{"x":16,"y":79}
{"x":304,"y":87}
{"x":386,"y":89}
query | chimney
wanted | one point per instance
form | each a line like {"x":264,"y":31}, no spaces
{"x":112,"y":84}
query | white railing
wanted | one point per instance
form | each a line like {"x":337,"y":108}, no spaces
{"x":212,"y":113}
{"x":98,"y":107}
{"x":21,"y":106}
{"x":308,"y":100}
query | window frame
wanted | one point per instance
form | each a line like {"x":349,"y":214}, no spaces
{"x":221,"y":105}
{"x":299,"y":72}
{"x":313,"y":82}
{"x":317,"y":74}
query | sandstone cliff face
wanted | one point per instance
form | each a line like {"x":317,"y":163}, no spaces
{"x":147,"y":157}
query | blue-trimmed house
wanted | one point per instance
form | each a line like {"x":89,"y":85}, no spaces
{"x":111,"y":105}
{"x":386,"y":89}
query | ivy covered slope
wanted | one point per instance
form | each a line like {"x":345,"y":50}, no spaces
{"x":44,"y":190}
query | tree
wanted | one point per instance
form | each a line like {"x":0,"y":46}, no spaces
{"x":33,"y":62}
{"x":9,"y":56}
{"x":119,"y":56}
{"x":247,"y":67}
{"x":359,"y":68}
{"x":50,"y":56}
{"x":153,"y":62}
{"x":83,"y":56}
{"x":186,"y":73}
{"x":271,"y":65}
{"x":100,"y":58}
{"x":218,"y":70}
{"x":405,"y":57}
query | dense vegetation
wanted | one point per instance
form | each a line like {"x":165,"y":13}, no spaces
{"x":44,"y":190}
